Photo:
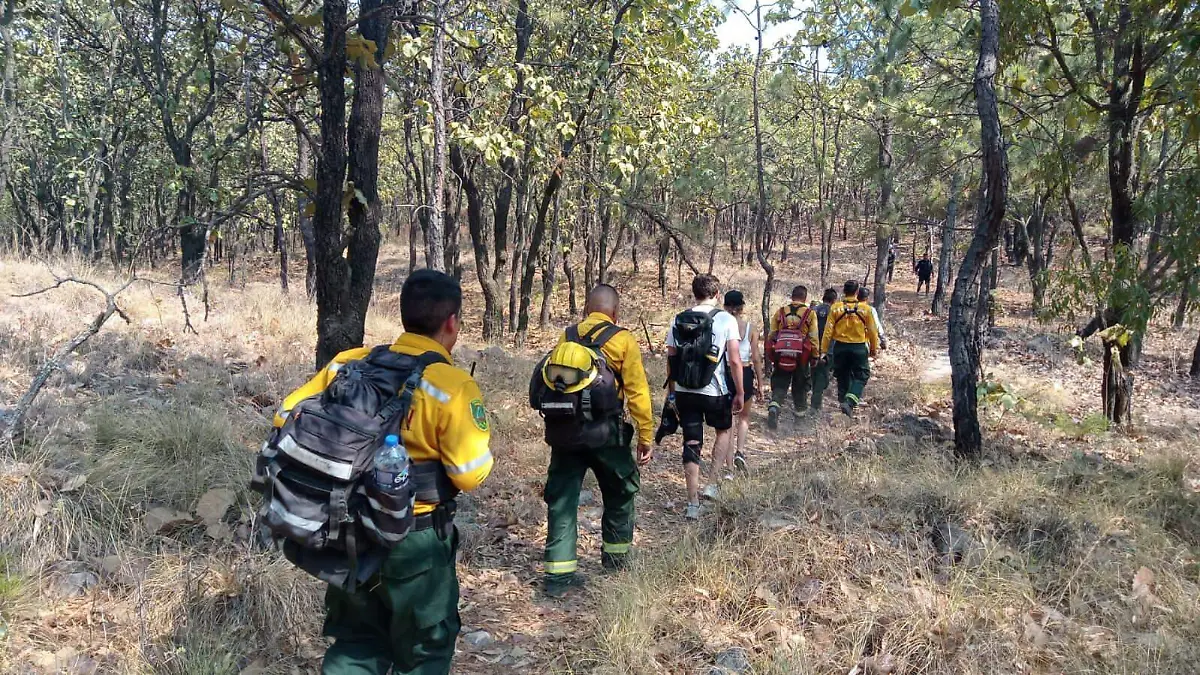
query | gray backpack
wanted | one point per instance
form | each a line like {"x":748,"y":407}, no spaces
{"x":315,"y":472}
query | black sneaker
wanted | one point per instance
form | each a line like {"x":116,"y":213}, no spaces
{"x":847,"y":409}
{"x":739,"y":461}
{"x":773,"y":418}
{"x":559,"y":585}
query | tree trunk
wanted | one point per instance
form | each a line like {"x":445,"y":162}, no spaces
{"x":435,"y":254}
{"x":550,"y":266}
{"x":569,"y":272}
{"x":1195,"y":369}
{"x":493,"y":318}
{"x":993,"y":284}
{"x":760,"y":213}
{"x":712,"y":249}
{"x":664,"y":251}
{"x":348,"y":151}
{"x":965,"y":344}
{"x":1181,"y":309}
{"x":947,"y":250}
{"x":304,"y":219}
{"x":633,"y":250}
{"x":883,"y":229}
{"x":280,"y":239}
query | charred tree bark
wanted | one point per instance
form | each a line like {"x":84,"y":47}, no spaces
{"x":965,"y":344}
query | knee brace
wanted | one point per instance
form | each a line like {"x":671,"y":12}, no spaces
{"x":691,"y":452}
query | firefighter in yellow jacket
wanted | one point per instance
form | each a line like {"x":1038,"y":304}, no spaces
{"x":614,"y":463}
{"x":406,"y":619}
{"x":849,"y":342}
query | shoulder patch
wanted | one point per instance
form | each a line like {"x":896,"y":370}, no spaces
{"x":479,"y":415}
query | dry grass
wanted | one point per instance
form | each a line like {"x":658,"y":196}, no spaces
{"x":814,"y":565}
{"x":816,"y":569}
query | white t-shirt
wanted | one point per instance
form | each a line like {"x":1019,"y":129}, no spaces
{"x":725,"y":328}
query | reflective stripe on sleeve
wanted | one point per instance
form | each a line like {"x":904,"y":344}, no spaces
{"x":616,"y":549}
{"x":459,"y":469}
{"x":561,"y":566}
{"x":441,"y":396}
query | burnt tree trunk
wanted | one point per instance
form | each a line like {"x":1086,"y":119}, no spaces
{"x":965,"y":344}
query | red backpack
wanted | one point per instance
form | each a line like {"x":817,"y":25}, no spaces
{"x":790,"y":348}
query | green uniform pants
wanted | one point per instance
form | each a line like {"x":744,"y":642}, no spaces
{"x":852,"y":368}
{"x":798,"y":380}
{"x":820,"y":382}
{"x":617,"y":474}
{"x":405,"y":618}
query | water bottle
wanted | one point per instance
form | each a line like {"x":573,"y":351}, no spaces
{"x":391,"y":466}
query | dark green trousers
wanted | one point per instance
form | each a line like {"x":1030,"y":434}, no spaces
{"x":799,"y":380}
{"x":851,"y":365}
{"x":820,"y":382}
{"x":405,"y":618}
{"x":617,"y":474}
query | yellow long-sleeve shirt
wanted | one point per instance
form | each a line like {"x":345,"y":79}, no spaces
{"x":624,"y":356}
{"x":850,"y":321}
{"x":447,"y":422}
{"x":795,"y":316}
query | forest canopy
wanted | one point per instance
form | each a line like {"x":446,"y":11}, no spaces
{"x":543,"y":137}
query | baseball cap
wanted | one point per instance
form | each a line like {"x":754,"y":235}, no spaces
{"x":735,"y":299}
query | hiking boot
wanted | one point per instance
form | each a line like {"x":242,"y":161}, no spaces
{"x":559,"y":585}
{"x":773,"y":418}
{"x":847,"y":409}
{"x":739,"y":461}
{"x":692,"y":512}
{"x":614,"y":562}
{"x":710,"y":491}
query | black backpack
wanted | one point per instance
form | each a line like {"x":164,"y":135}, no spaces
{"x":584,"y":419}
{"x":315,"y":471}
{"x":822,"y":311}
{"x":696,"y":357}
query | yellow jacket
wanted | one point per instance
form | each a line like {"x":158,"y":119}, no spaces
{"x":809,"y":327}
{"x":850,"y":321}
{"x":624,"y":356}
{"x":447,"y":421}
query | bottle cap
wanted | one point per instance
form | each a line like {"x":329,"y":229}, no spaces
{"x":392,"y":440}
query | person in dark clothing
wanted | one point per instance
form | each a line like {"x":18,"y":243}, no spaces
{"x":820,"y":369}
{"x":924,"y":270}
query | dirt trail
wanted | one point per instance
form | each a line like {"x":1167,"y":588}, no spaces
{"x":528,"y":632}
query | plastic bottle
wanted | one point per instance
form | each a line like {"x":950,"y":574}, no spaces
{"x":391,"y":466}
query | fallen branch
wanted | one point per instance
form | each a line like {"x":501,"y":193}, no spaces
{"x":13,"y":420}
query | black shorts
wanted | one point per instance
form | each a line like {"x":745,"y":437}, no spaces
{"x":697,"y":410}
{"x":748,"y":388}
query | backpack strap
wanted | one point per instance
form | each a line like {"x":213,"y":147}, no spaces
{"x":403,"y":399}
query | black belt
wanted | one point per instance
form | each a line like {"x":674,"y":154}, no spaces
{"x":441,"y":519}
